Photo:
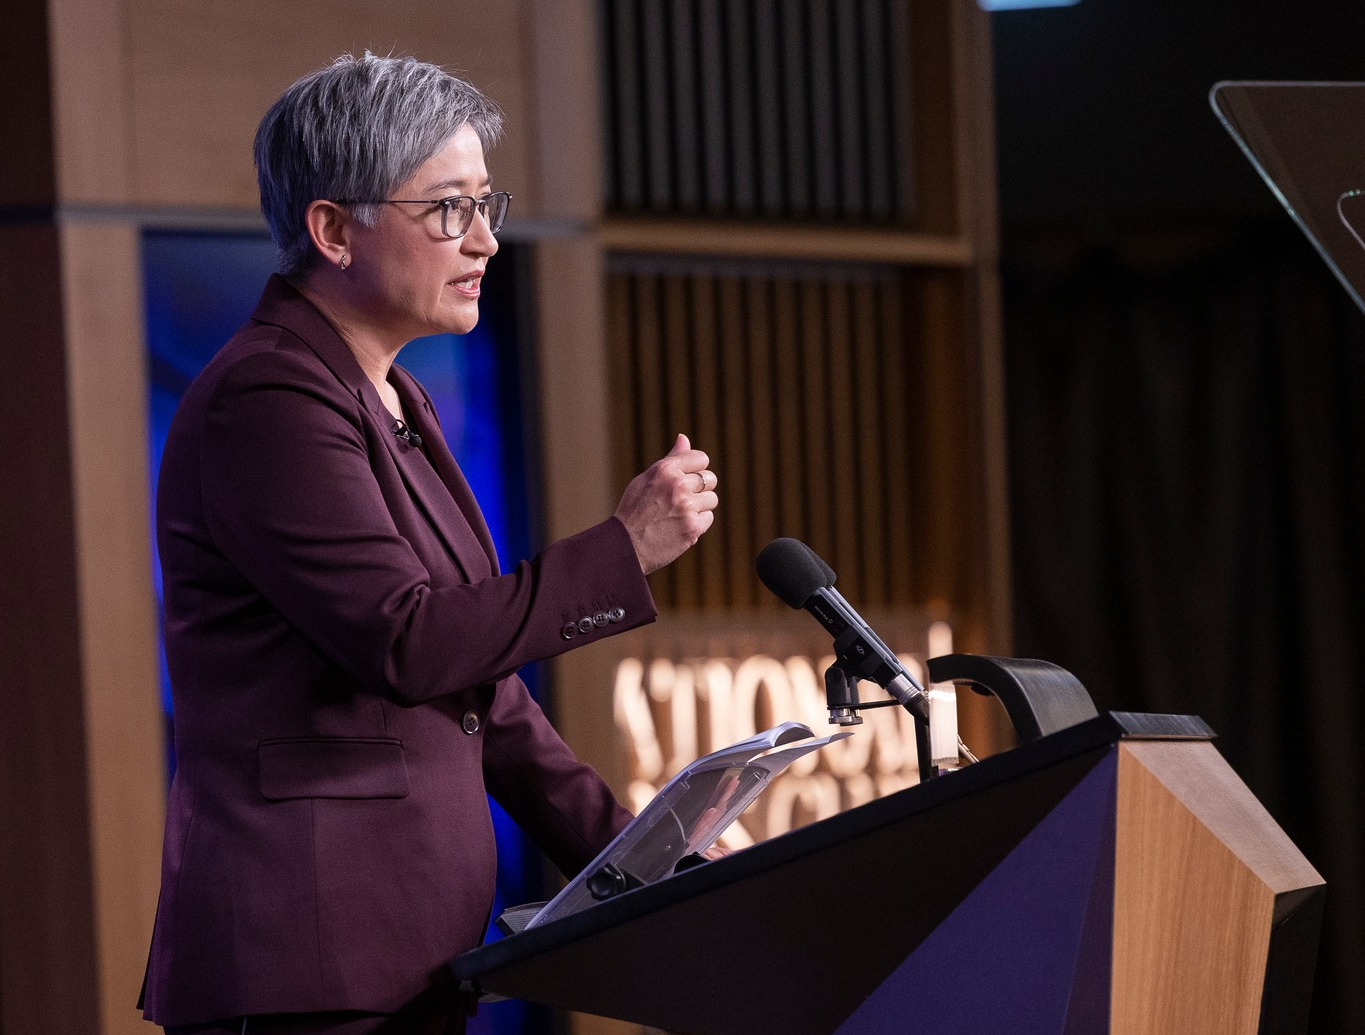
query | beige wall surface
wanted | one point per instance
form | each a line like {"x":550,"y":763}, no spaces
{"x":158,"y":100}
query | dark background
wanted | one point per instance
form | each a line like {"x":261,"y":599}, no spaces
{"x":1186,"y":386}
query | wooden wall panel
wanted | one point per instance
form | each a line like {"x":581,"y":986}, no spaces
{"x":763,"y":110}
{"x":974,"y":107}
{"x":26,"y":126}
{"x":93,"y":102}
{"x":872,"y":426}
{"x":560,"y":88}
{"x":124,"y":741}
{"x":841,"y":396}
{"x":738,"y":462}
{"x":759,"y":331}
{"x":869,"y":449}
{"x":201,"y":76}
{"x":47,"y":930}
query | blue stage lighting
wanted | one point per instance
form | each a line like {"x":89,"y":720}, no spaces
{"x":1020,"y":5}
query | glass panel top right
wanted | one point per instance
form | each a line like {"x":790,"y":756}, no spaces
{"x":1307,"y":140}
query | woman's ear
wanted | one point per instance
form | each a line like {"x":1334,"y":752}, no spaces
{"x":329,"y":226}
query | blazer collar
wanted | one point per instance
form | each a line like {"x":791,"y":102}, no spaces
{"x":282,"y":305}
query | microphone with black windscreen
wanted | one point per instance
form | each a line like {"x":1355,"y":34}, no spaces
{"x":801,"y":579}
{"x":402,"y":430}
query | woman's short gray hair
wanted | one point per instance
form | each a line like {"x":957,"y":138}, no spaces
{"x":359,"y":128}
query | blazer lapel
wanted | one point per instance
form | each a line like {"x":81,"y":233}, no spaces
{"x":417,"y":406}
{"x":430,"y":493}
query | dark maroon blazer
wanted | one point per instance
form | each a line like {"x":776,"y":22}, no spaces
{"x":342,"y":654}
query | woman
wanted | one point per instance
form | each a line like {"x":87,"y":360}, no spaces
{"x":342,"y":647}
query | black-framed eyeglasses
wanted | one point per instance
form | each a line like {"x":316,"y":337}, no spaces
{"x":457,"y":212}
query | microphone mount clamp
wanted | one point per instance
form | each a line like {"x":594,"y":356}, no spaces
{"x":841,"y":695}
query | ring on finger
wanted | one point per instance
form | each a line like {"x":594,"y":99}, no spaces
{"x":705,"y":483}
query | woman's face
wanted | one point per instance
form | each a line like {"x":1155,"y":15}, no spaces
{"x":410,"y":278}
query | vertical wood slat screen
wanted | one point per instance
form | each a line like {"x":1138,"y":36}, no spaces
{"x":792,"y":376}
{"x":758,"y":109}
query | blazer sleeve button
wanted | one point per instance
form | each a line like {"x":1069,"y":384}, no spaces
{"x":599,"y":619}
{"x":470,"y":722}
{"x":616,"y":614}
{"x":585,"y":625}
{"x":569,"y":631}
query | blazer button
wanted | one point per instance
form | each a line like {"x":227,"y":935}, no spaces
{"x":599,"y":619}
{"x":470,"y":721}
{"x":585,"y":625}
{"x":616,"y":614}
{"x":569,"y":631}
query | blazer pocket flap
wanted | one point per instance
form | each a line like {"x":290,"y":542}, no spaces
{"x":332,"y":767}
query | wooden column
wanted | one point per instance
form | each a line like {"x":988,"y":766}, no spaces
{"x":81,"y":751}
{"x":47,"y":938}
{"x":124,"y":742}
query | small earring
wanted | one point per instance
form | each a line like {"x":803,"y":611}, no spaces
{"x":343,"y":264}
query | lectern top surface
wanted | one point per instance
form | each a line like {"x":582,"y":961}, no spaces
{"x":661,"y":894}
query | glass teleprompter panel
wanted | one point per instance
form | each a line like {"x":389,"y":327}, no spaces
{"x":1307,"y":140}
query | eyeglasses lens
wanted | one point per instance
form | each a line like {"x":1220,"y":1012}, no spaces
{"x":457,"y":215}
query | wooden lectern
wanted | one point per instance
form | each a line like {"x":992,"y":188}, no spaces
{"x":1115,"y":876}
